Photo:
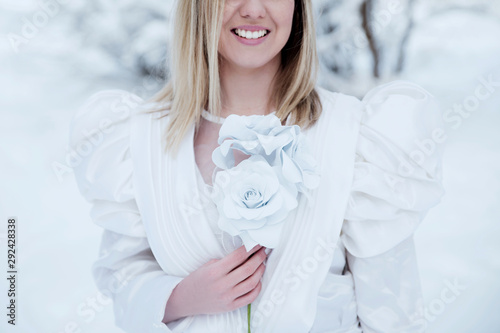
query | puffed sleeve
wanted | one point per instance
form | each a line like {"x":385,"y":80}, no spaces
{"x":126,"y":269}
{"x":397,"y":179}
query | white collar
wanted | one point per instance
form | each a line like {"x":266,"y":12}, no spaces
{"x":215,"y":119}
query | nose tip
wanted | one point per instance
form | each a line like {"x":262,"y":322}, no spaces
{"x":253,"y":9}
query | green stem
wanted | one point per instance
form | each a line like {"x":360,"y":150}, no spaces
{"x":249,"y":312}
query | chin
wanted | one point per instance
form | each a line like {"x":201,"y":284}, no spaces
{"x":250,"y":62}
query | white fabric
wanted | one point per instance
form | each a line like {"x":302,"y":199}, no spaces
{"x":346,"y":261}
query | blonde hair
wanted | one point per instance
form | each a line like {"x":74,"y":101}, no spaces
{"x":195,"y":82}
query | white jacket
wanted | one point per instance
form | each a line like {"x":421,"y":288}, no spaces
{"x":346,"y":262}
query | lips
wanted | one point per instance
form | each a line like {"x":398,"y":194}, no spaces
{"x":250,"y":34}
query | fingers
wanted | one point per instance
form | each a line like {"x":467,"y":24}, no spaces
{"x":250,"y":283}
{"x":236,"y":258}
{"x":247,"y":298}
{"x":248,"y":268}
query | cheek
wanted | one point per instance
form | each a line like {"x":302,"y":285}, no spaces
{"x":223,"y":38}
{"x":286,"y":9}
{"x":224,"y":42}
{"x":288,"y":12}
{"x":284,"y":18}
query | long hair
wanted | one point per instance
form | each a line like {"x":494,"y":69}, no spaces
{"x":195,"y":82}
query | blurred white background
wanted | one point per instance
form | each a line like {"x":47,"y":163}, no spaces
{"x":54,"y":54}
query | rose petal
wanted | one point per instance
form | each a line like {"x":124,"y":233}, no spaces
{"x":223,"y":156}
{"x":244,"y":224}
{"x":248,"y":241}
{"x":289,"y":202}
{"x":268,"y":236}
{"x":291,"y":171}
{"x":231,"y":209}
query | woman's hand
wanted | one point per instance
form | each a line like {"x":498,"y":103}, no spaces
{"x":221,"y":285}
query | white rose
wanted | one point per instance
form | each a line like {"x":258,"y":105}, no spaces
{"x":283,"y":146}
{"x":253,"y":201}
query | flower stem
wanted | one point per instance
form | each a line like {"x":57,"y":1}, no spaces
{"x":249,"y":311}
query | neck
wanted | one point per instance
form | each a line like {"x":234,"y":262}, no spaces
{"x":247,"y":91}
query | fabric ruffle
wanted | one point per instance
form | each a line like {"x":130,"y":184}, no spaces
{"x":100,"y":135}
{"x":126,"y":268}
{"x":397,"y":172}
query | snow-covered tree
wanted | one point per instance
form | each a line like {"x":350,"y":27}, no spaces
{"x":361,"y":42}
{"x":124,"y":39}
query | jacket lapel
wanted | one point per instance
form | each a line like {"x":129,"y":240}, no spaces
{"x":297,"y":268}
{"x":169,"y":200}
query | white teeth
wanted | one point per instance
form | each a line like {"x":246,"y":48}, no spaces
{"x":250,"y":34}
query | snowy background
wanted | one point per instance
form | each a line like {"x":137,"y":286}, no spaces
{"x":54,"y":54}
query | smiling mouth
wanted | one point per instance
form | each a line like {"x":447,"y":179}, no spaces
{"x":250,"y":34}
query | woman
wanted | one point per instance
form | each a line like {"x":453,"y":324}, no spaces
{"x":345,"y":260}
